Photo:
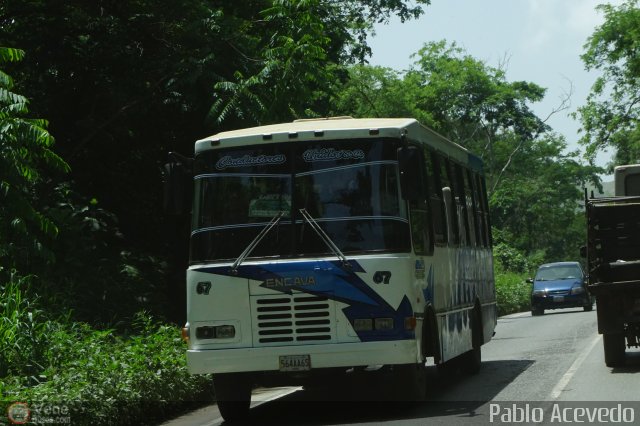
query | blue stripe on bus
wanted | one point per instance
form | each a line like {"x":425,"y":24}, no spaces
{"x":331,"y":280}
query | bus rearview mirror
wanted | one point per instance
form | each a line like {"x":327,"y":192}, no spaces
{"x":177,"y":177}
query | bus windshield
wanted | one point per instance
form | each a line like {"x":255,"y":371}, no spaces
{"x":350,"y":188}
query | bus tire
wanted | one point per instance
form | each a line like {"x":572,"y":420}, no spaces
{"x":614,"y":348}
{"x":430,"y":339}
{"x":472,"y":360}
{"x":411,"y":382}
{"x":233,"y":395}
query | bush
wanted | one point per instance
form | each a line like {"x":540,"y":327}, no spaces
{"x":103,"y":378}
{"x":509,"y":258}
{"x":513,"y":294}
{"x":23,"y":332}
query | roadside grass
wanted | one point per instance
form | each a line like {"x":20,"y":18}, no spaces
{"x":87,"y":376}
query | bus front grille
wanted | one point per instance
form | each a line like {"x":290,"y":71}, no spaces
{"x":292,"y":319}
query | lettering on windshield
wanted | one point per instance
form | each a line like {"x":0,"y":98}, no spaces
{"x":248,"y":160}
{"x":330,"y":154}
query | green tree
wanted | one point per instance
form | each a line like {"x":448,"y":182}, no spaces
{"x":144,"y":76}
{"x":123,"y":83}
{"x":473,"y":103}
{"x":534,"y":184}
{"x":26,"y":160}
{"x":305,"y":46}
{"x":612,"y":111}
{"x":372,"y":91}
{"x":538,"y":202}
{"x":455,"y":94}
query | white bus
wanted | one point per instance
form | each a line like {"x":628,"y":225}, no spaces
{"x":321,"y":246}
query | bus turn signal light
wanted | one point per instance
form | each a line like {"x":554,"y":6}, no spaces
{"x":410,"y":323}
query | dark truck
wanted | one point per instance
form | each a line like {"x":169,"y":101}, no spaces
{"x":613,"y":263}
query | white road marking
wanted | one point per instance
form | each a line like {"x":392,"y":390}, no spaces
{"x":516,"y":315}
{"x":260,"y":396}
{"x":564,"y":380}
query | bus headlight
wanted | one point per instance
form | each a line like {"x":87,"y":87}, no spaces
{"x":363,"y":324}
{"x":370,"y":324}
{"x":384,"y":324}
{"x":225,"y":332}
{"x":217,"y":332}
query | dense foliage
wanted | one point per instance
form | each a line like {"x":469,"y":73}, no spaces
{"x":123,"y":83}
{"x":92,"y":377}
{"x":535,"y":186}
{"x":26,"y":162}
{"x":611,"y":115}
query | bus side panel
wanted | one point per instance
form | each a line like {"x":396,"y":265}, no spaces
{"x":462,"y":275}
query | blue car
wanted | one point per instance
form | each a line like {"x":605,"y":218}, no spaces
{"x":559,"y":285}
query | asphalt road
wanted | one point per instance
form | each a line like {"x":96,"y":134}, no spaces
{"x":544,"y":370}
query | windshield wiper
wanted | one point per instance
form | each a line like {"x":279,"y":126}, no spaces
{"x":332,"y":246}
{"x":252,"y":245}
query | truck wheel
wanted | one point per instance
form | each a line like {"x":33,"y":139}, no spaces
{"x":614,"y":348}
{"x":233,"y":395}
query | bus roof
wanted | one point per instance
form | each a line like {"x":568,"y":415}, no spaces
{"x":336,"y":128}
{"x":334,"y":123}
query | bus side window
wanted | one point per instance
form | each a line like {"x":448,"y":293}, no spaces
{"x":436,"y":203}
{"x":484,"y":202}
{"x":479,"y":210}
{"x":472,"y":207}
{"x":461,"y":204}
{"x":446,"y":174}
{"x":421,"y":229}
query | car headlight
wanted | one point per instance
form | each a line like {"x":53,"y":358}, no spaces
{"x":539,"y":293}
{"x":577,"y":290}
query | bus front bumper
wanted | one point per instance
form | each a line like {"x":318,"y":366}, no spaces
{"x":202,"y":361}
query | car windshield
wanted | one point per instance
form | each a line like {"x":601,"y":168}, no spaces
{"x":560,"y":272}
{"x":351,"y":188}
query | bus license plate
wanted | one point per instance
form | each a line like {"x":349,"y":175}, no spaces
{"x":295,"y":362}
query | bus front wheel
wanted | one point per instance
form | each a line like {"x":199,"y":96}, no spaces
{"x":411,"y":382}
{"x":233,"y":395}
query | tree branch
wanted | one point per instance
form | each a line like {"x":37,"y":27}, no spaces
{"x":565,"y":103}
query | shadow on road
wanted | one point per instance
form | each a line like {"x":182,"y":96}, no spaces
{"x":449,"y":393}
